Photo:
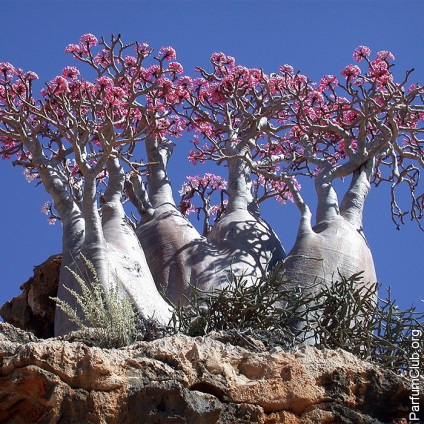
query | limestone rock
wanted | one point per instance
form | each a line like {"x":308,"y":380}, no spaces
{"x":180,"y":379}
{"x":33,"y":309}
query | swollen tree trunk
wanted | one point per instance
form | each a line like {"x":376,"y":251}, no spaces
{"x":72,"y":241}
{"x":178,"y":256}
{"x":336,"y":244}
{"x":107,"y":241}
{"x":126,"y":259}
{"x":242,"y":231}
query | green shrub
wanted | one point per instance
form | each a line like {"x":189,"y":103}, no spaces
{"x":242,"y":304}
{"x":344,"y":314}
{"x":111,"y":316}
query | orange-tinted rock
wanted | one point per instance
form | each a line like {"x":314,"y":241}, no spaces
{"x":180,"y":379}
{"x":33,"y":310}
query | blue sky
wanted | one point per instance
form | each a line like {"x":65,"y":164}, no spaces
{"x":316,"y":37}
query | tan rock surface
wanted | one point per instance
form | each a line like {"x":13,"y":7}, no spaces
{"x":181,"y":379}
{"x":33,"y":309}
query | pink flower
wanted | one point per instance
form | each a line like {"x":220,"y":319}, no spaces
{"x":184,"y":84}
{"x":300,"y":80}
{"x":192,"y":157}
{"x":151,"y":71}
{"x":379,"y":72}
{"x":30,"y":175}
{"x":104,"y":82}
{"x":143,"y":50}
{"x":89,"y":39}
{"x":255,"y":75}
{"x":200,"y":184}
{"x":70,"y":72}
{"x":411,"y":88}
{"x":385,"y":55}
{"x":286,"y":69}
{"x":168,"y":53}
{"x":7,"y":68}
{"x":72,"y":48}
{"x":217,"y":182}
{"x":277,"y":84}
{"x":114,"y":96}
{"x":130,"y":61}
{"x":315,"y":97}
{"x":88,"y":87}
{"x":221,"y":59}
{"x":349,"y":117}
{"x":20,"y":88}
{"x":215,"y":94}
{"x":103,"y":58}
{"x":176,"y":126}
{"x":45,"y":209}
{"x":361,"y":52}
{"x":351,"y":72}
{"x":30,"y":76}
{"x":327,"y":81}
{"x":58,"y":85}
{"x":176,"y":67}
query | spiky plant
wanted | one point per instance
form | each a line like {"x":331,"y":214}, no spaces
{"x":345,"y":314}
{"x":107,"y":312}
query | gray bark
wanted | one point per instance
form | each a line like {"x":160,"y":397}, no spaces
{"x":336,"y":244}
{"x":107,"y":241}
{"x":178,"y":256}
{"x":242,"y":230}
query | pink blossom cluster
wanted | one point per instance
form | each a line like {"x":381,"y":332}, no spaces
{"x":379,"y":72}
{"x":232,"y":110}
{"x":351,"y":72}
{"x":328,"y":82}
{"x":112,"y":95}
{"x":361,"y":52}
{"x":31,"y":175}
{"x":220,"y":60}
{"x":143,"y":49}
{"x":8,"y":146}
{"x":8,"y":71}
{"x":168,"y":53}
{"x":200,"y":184}
{"x":85,"y":42}
{"x":204,"y":187}
{"x":280,"y":191}
{"x":47,"y":209}
{"x":15,"y":83}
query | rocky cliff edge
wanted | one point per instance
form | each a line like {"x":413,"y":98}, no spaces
{"x":181,"y":379}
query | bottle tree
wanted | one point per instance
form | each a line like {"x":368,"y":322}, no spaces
{"x":226,"y":110}
{"x":81,"y":140}
{"x":76,"y":139}
{"x":367,"y":128}
{"x":179,"y":257}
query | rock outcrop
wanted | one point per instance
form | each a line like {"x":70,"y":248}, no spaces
{"x":33,"y":309}
{"x":180,"y":379}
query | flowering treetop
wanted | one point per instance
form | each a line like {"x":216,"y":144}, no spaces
{"x":77,"y":124}
{"x":285,"y":125}
{"x":282,"y":125}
